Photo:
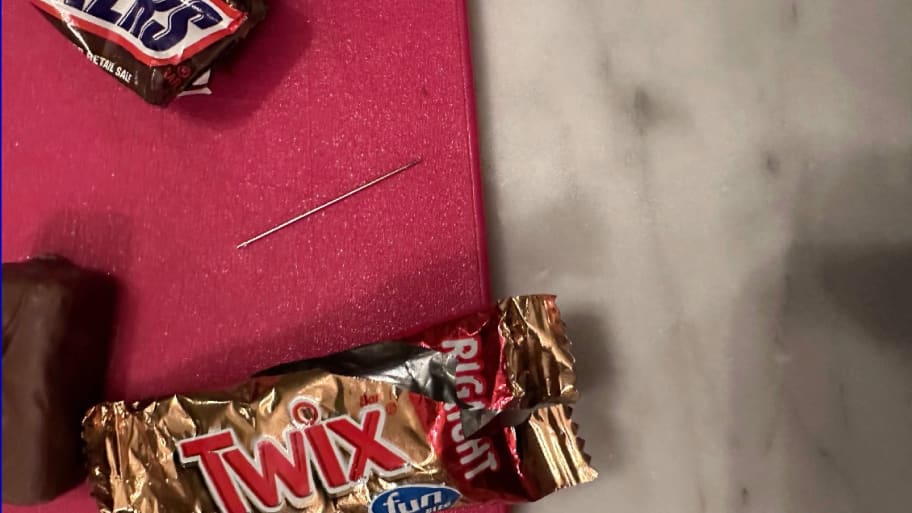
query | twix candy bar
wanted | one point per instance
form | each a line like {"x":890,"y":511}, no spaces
{"x":472,"y":410}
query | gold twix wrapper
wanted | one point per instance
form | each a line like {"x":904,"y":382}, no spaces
{"x":381,"y":428}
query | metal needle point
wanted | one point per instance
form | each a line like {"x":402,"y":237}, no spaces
{"x":329,"y":203}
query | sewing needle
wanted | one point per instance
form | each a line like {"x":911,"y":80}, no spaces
{"x":329,"y":203}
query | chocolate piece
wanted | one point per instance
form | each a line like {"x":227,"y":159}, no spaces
{"x":377,"y":429}
{"x":156,"y":48}
{"x":57,"y":324}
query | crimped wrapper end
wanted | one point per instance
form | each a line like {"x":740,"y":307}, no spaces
{"x":95,"y":431}
{"x":536,"y":360}
{"x":553,"y":456}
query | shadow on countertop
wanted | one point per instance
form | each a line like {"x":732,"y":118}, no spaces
{"x":873,"y":286}
{"x":587,"y":325}
{"x":822,"y":408}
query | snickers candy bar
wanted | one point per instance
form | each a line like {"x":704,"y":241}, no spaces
{"x":157,"y":48}
{"x":379,"y":429}
{"x":57,"y":325}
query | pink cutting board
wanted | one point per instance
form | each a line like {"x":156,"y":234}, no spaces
{"x":324,"y":95}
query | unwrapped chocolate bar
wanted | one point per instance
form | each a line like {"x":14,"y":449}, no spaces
{"x":57,"y":325}
{"x":157,"y":48}
{"x":381,"y":428}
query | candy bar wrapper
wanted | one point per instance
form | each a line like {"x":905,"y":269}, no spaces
{"x":499,"y":364}
{"x":380,"y":428}
{"x":157,"y":48}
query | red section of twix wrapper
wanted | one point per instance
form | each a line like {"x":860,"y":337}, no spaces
{"x":382,"y":428}
{"x":513,"y":357}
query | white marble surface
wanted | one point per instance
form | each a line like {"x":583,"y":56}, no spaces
{"x":721,"y":194}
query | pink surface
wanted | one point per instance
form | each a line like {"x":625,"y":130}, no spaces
{"x":325,"y":95}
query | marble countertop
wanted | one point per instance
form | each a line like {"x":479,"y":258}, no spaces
{"x":721,"y":195}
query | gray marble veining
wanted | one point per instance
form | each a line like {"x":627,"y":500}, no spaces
{"x":721,"y":194}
